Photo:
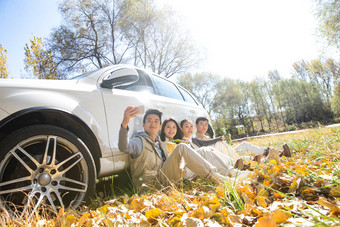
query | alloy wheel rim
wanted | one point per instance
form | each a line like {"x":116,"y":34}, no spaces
{"x":50,"y":174}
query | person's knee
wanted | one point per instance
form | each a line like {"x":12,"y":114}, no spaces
{"x":204,"y":150}
{"x":184,"y":147}
{"x":185,"y":150}
{"x":245,"y":143}
{"x":180,"y":148}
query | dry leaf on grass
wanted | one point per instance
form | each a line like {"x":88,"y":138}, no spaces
{"x":267,"y":221}
{"x":333,"y":208}
{"x":281,"y":216}
{"x":335,"y":192}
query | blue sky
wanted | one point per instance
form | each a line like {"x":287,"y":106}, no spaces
{"x":242,"y":39}
{"x":21,"y":20}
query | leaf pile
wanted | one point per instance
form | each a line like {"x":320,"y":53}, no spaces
{"x":302,"y":190}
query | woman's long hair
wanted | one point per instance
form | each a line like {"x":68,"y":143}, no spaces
{"x":178,"y":134}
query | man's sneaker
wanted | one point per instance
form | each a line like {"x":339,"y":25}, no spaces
{"x":286,"y":151}
{"x":266,"y":152}
{"x":239,"y":164}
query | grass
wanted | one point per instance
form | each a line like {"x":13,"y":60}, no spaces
{"x":315,"y":140}
{"x":299,"y":191}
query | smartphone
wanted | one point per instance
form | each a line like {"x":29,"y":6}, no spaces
{"x":141,"y":109}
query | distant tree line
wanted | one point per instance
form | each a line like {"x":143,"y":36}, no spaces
{"x":272,"y":104}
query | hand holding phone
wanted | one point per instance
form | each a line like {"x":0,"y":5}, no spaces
{"x":141,"y":109}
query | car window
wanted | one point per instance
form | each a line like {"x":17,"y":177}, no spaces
{"x":166,"y":88}
{"x":143,"y":83}
{"x":187,"y":96}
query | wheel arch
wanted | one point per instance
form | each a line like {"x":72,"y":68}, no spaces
{"x":55,"y":117}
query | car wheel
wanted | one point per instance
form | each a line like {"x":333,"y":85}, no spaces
{"x":44,"y":167}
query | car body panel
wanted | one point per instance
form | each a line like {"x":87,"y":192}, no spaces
{"x":82,"y":101}
{"x":3,"y":113}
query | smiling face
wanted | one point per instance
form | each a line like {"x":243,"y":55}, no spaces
{"x":188,"y":129}
{"x":152,"y":125}
{"x":202,"y":127}
{"x":170,"y":130}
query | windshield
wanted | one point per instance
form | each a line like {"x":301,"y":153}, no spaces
{"x":82,"y":75}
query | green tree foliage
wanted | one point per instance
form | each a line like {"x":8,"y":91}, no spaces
{"x":328,"y":14}
{"x":39,"y":62}
{"x":104,"y":32}
{"x":325,"y":73}
{"x":3,"y":62}
{"x":336,"y":100}
{"x":262,"y":105}
{"x":273,"y":110}
{"x":276,"y":98}
{"x":232,"y":103}
{"x":302,"y":101}
{"x":203,"y":86}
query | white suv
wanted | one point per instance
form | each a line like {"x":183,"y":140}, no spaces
{"x":58,"y":136}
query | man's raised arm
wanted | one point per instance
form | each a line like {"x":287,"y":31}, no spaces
{"x":133,"y":147}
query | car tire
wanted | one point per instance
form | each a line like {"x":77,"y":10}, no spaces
{"x":44,"y":167}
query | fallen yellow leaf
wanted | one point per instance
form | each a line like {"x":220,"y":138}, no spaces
{"x":220,"y":192}
{"x":104,"y":209}
{"x":335,"y":191}
{"x":267,"y":182}
{"x":262,"y":201}
{"x":246,"y":199}
{"x":277,"y":196}
{"x":174,"y":221}
{"x":83,"y":218}
{"x":151,"y":215}
{"x":108,"y":223}
{"x":266,"y":221}
{"x":70,"y":219}
{"x":202,"y":213}
{"x":273,"y":162}
{"x":294,"y":186}
{"x":262,"y":198}
{"x":214,"y":203}
{"x":225,"y":212}
{"x":280,"y":216}
{"x":309,"y":193}
{"x":137,"y":204}
{"x":334,"y":209}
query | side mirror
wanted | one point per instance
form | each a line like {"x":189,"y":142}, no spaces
{"x":120,"y":77}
